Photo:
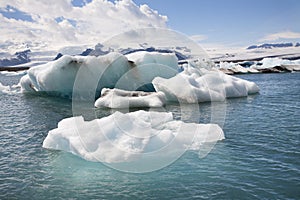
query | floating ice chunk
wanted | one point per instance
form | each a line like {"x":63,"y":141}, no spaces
{"x":4,"y":89}
{"x":91,"y":74}
{"x":7,"y":89}
{"x":12,"y":73}
{"x":194,"y":85}
{"x":271,"y":62}
{"x":235,"y":68}
{"x":116,"y":98}
{"x":127,"y":137}
{"x":59,"y":76}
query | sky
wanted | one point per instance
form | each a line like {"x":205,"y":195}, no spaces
{"x":52,"y":23}
{"x":233,"y":22}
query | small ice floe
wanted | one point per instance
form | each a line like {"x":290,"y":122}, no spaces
{"x":116,"y":98}
{"x":129,"y":137}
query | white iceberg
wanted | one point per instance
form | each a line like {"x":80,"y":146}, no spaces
{"x":129,"y":137}
{"x":116,"y":98}
{"x":4,"y":89}
{"x":9,"y":89}
{"x":195,"y":85}
{"x":90,"y":73}
{"x":268,"y":63}
{"x":236,"y":68}
{"x":12,"y":73}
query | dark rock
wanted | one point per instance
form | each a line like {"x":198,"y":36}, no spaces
{"x":86,"y":52}
{"x":59,"y":55}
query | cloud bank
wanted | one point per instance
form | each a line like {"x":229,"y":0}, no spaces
{"x":54,"y":24}
{"x":281,"y":35}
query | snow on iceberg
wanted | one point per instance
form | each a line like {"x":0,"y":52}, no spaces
{"x":144,"y":57}
{"x":195,"y":85}
{"x":129,"y":137}
{"x":116,"y":98}
{"x":94,"y":73}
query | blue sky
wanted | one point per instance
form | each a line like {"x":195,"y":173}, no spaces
{"x":211,"y":22}
{"x":231,"y":22}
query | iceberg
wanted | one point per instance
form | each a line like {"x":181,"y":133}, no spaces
{"x":129,"y":137}
{"x":235,"y":68}
{"x":92,"y":73}
{"x":4,"y":89}
{"x":116,"y":98}
{"x":267,"y":63}
{"x":195,"y":85}
{"x":9,"y":89}
{"x":12,"y":73}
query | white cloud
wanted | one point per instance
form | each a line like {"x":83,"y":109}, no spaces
{"x":198,"y":38}
{"x":93,"y":23}
{"x":281,"y":35}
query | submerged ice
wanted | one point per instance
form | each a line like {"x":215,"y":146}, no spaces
{"x":128,"y":137}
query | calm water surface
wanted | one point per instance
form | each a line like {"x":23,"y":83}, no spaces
{"x":259,"y":159}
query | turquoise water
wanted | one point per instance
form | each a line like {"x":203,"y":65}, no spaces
{"x":259,"y":159}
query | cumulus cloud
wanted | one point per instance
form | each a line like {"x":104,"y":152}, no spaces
{"x":281,"y":35}
{"x":58,"y":23}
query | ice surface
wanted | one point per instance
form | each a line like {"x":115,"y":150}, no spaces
{"x":143,"y":58}
{"x":116,"y":98}
{"x":111,"y":70}
{"x":128,"y":137}
{"x":200,"y":85}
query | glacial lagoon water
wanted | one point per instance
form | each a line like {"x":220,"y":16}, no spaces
{"x":259,"y":159}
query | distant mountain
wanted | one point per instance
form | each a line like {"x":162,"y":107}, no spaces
{"x":270,"y":46}
{"x":18,"y":58}
{"x":100,"y":50}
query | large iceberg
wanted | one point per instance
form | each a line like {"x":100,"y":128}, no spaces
{"x":116,"y":98}
{"x":195,"y":85}
{"x":129,"y":137}
{"x":108,"y":71}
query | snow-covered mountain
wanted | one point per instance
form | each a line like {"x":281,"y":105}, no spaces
{"x":18,"y":58}
{"x":276,"y":45}
{"x":99,"y":50}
